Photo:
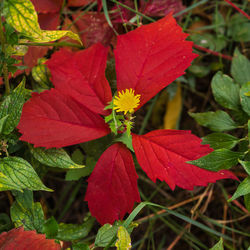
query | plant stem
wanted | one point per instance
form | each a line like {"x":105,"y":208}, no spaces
{"x":238,"y":9}
{"x":5,"y":68}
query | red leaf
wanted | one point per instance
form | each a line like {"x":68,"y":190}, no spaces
{"x":163,"y":154}
{"x":161,"y":7}
{"x":93,"y":28}
{"x":151,"y":57}
{"x":51,"y":119}
{"x":46,"y":6}
{"x":49,"y":21}
{"x":112,"y":187}
{"x":76,"y":3}
{"x":81,"y":75}
{"x":19,"y":239}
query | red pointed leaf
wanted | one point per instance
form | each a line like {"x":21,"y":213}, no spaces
{"x":19,"y":239}
{"x":46,"y":6}
{"x":93,"y":28}
{"x":49,"y":21}
{"x":81,"y":75}
{"x":51,"y":119}
{"x":76,"y":3}
{"x":112,"y":187}
{"x":151,"y":57}
{"x":163,"y":154}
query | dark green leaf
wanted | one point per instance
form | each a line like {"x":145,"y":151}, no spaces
{"x":220,"y":140}
{"x":240,"y":68}
{"x":70,"y":232}
{"x":225,"y":91}
{"x":50,"y":228}
{"x":245,"y":99}
{"x":245,"y":165}
{"x":247,"y":201}
{"x":218,"y":159}
{"x":218,"y":246}
{"x":12,"y":106}
{"x":80,"y":246}
{"x":21,"y":173}
{"x":243,"y":189}
{"x":217,"y":121}
{"x":24,"y":212}
{"x":54,"y":157}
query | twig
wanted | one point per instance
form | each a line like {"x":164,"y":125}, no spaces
{"x":238,"y":9}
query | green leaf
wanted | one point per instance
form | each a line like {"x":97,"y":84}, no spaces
{"x":245,"y":165}
{"x":217,"y":121}
{"x":220,"y":140}
{"x":247,"y":201}
{"x":7,"y":183}
{"x":80,"y":246}
{"x":2,"y":122}
{"x":240,"y":68}
{"x":12,"y":107}
{"x":243,"y":189}
{"x":41,"y":74}
{"x":225,"y":91}
{"x":21,"y":173}
{"x":218,"y":159}
{"x":22,"y":16}
{"x":76,"y":174}
{"x":70,"y":232}
{"x":24,"y":212}
{"x":123,"y":242}
{"x":218,"y":246}
{"x":245,"y":99}
{"x":50,"y":228}
{"x":54,"y":157}
{"x":127,"y":140}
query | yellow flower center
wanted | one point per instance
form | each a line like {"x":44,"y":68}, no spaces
{"x":126,"y":101}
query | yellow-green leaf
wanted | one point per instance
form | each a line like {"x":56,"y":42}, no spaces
{"x":124,"y":241}
{"x":22,"y":16}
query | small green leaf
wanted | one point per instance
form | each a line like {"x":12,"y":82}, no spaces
{"x":218,"y":121}
{"x":218,"y":159}
{"x":41,"y":75}
{"x":22,"y":16}
{"x":245,"y":99}
{"x":220,"y":140}
{"x":245,"y":165}
{"x":80,"y":246}
{"x":50,"y":228}
{"x":240,"y":68}
{"x":243,"y":189}
{"x":21,"y":173}
{"x":123,"y":242}
{"x":225,"y":91}
{"x":127,"y":140}
{"x":218,"y":245}
{"x":54,"y":157}
{"x":105,"y":234}
{"x":24,"y":212}
{"x":12,"y":107}
{"x":71,"y":232}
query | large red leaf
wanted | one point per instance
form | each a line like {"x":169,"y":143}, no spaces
{"x":81,"y":75}
{"x":76,"y":3}
{"x":46,"y":6}
{"x":163,"y":154}
{"x":51,"y":119}
{"x":112,"y":187}
{"x":151,"y":57}
{"x":18,"y":239}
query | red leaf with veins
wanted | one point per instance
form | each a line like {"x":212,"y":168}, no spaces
{"x":19,"y":239}
{"x":112,"y":186}
{"x":51,"y":119}
{"x":151,"y":57}
{"x":45,"y":6}
{"x":76,"y":3}
{"x":81,"y":75}
{"x":163,"y":154}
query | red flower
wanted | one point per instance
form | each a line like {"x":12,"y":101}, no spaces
{"x":147,"y":60}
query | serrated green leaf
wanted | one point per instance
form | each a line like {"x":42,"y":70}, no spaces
{"x":247,"y":201}
{"x":50,"y":228}
{"x":54,"y":157}
{"x":123,"y":242}
{"x":217,"y":121}
{"x":218,"y":159}
{"x":245,"y":99}
{"x":240,"y":68}
{"x":24,"y":212}
{"x":225,"y":91}
{"x":243,"y":189}
{"x":21,"y":173}
{"x":245,"y":165}
{"x":220,"y":140}
{"x":22,"y":16}
{"x":2,"y":122}
{"x":7,"y":183}
{"x":12,"y":107}
{"x":71,"y":232}
{"x":218,"y":245}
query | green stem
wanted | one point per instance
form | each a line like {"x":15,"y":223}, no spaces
{"x":5,"y":68}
